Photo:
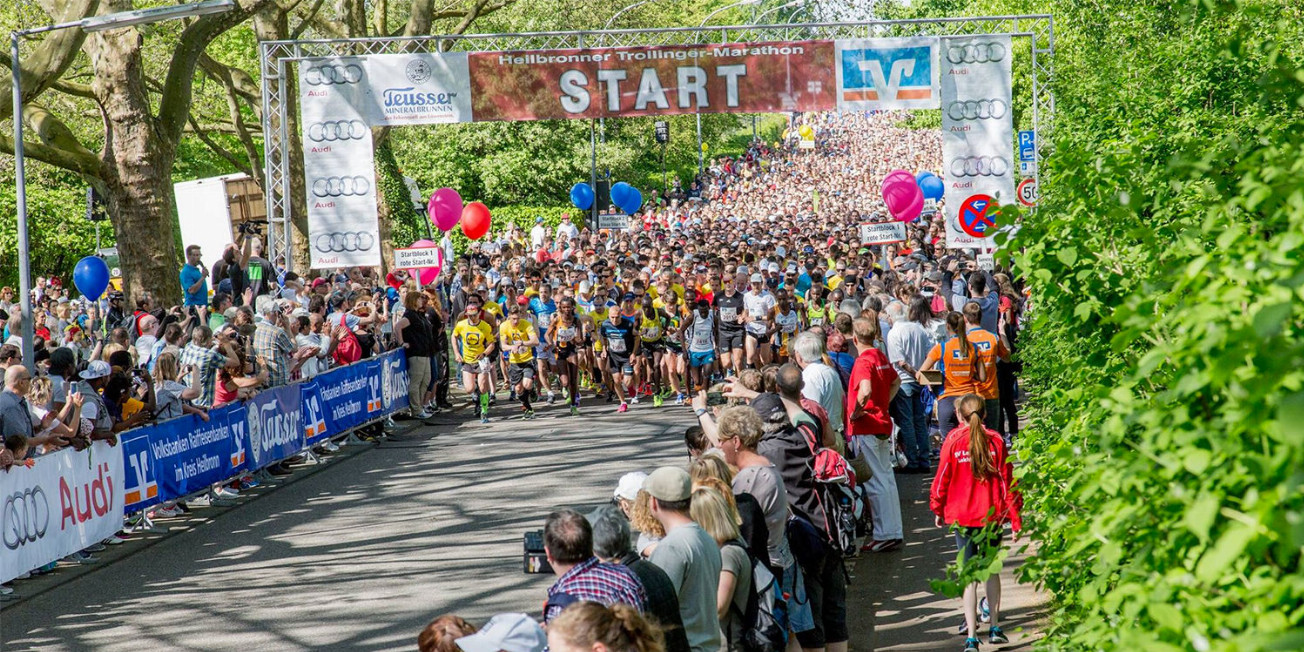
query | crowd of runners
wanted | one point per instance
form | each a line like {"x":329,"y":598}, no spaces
{"x":751,"y":284}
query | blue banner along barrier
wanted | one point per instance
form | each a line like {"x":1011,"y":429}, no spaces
{"x":179,"y":457}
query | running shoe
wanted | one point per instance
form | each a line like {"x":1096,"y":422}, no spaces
{"x":996,"y":636}
{"x":114,"y":540}
{"x":484,"y":418}
{"x":552,"y":397}
{"x":881,"y":546}
{"x":527,"y":414}
{"x":95,"y":547}
{"x":624,"y":407}
{"x":574,"y":411}
{"x":657,"y":400}
{"x":970,"y":645}
{"x":80,"y":558}
{"x":679,"y":398}
{"x":984,"y":611}
{"x":511,"y":396}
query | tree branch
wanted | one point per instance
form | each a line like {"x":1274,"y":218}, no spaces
{"x":86,"y":166}
{"x":174,"y":106}
{"x":53,"y":56}
{"x":226,"y":155}
{"x":307,"y":20}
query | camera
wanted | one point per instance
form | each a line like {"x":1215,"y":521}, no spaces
{"x":250,"y":228}
{"x":535,"y":559}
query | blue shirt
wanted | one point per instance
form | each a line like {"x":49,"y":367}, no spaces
{"x":803,"y":283}
{"x":189,"y":276}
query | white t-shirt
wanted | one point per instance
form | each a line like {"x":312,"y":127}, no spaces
{"x":822,"y":384}
{"x":758,"y":307}
{"x":537,"y":234}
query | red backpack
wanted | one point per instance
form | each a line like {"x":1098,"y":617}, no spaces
{"x":348,"y":351}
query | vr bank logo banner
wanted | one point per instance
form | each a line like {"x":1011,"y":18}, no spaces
{"x":887,"y":74}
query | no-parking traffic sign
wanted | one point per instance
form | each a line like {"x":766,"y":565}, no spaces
{"x":974,"y":219}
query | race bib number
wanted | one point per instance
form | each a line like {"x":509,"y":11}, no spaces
{"x":651,"y":332}
{"x":616,"y":344}
{"x":565,"y":334}
{"x":545,"y":319}
{"x":728,"y":315}
{"x":701,"y":340}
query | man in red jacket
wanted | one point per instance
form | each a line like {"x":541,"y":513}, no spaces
{"x":869,"y":433}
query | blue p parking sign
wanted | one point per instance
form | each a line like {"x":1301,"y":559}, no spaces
{"x":1027,"y":145}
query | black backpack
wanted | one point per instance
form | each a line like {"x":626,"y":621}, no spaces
{"x":760,"y":628}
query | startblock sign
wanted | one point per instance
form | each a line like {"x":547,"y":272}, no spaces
{"x":418,"y":257}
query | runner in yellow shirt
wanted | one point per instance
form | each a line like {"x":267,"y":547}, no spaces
{"x":518,"y":338}
{"x":473,"y":341}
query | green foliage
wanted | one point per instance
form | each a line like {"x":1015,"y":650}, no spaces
{"x":1165,"y":359}
{"x":58,"y":233}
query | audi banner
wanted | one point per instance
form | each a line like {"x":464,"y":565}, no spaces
{"x":65,"y":502}
{"x":977,"y":136}
{"x":657,"y":80}
{"x":335,"y":94}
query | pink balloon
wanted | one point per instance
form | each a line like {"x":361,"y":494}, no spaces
{"x":900,"y":194}
{"x":912,"y":210}
{"x":445,"y":208}
{"x":427,"y":275}
{"x":894,"y":176}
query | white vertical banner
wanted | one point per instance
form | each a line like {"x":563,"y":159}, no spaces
{"x":65,"y":502}
{"x":977,"y":135}
{"x":338,"y":163}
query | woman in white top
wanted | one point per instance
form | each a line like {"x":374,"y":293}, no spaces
{"x":171,"y":397}
{"x":49,"y":428}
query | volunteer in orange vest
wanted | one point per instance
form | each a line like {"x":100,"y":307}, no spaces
{"x":961,"y":371}
{"x":989,"y":349}
{"x":974,"y":493}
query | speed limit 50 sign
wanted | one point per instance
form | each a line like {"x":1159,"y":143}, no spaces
{"x":1028,"y":192}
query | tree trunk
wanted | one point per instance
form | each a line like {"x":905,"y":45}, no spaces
{"x":137,"y":170}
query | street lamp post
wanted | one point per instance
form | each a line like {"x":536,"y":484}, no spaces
{"x":90,"y":24}
{"x":701,"y":156}
{"x":757,"y":21}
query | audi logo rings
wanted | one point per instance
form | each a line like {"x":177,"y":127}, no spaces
{"x":26,"y":517}
{"x":326,"y":75}
{"x":348,"y":241}
{"x":977,"y":109}
{"x":333,"y":130}
{"x":980,"y":166}
{"x":975,"y":53}
{"x":341,"y":186}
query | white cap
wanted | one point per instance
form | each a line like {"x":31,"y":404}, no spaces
{"x":629,"y":485}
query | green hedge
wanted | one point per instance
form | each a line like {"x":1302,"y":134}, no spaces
{"x":1164,"y":465}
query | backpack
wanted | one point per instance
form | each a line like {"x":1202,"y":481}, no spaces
{"x":844,"y":507}
{"x":348,"y":351}
{"x":761,"y":628}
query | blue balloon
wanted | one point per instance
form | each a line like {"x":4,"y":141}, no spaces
{"x":581,"y":195}
{"x":633,"y":202}
{"x":933,"y":187}
{"x":91,"y":276}
{"x":620,"y":193}
{"x":919,"y":178}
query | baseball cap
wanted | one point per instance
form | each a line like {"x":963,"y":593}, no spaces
{"x":585,"y":287}
{"x":538,"y":219}
{"x":774,"y":268}
{"x":96,"y":369}
{"x":318,"y":282}
{"x":629,"y":296}
{"x":669,"y":483}
{"x":629,"y":485}
{"x":757,"y":278}
{"x":472,"y":310}
{"x":506,"y":632}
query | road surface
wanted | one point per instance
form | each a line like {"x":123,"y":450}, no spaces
{"x":361,"y":552}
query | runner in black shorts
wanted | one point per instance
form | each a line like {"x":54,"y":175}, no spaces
{"x":567,"y":334}
{"x":730,"y":310}
{"x":620,"y":340}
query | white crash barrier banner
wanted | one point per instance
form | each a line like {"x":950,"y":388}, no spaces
{"x":67,"y":501}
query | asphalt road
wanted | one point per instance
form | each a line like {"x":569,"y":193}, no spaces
{"x":361,"y":552}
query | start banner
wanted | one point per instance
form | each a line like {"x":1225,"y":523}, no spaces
{"x":653,"y":80}
{"x":65,"y":502}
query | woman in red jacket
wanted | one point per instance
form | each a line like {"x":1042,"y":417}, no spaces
{"x":974,"y":489}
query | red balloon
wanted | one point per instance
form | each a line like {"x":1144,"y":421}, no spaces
{"x":475,"y":220}
{"x":393,"y":281}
